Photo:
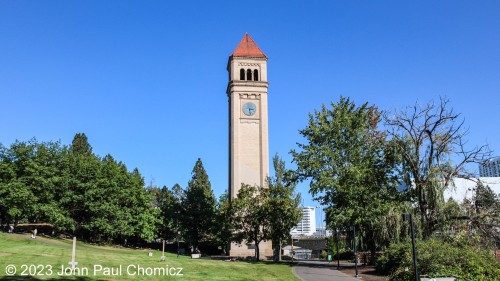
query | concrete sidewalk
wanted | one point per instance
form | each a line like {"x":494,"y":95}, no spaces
{"x":319,"y":271}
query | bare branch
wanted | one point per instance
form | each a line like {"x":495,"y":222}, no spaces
{"x":439,"y":131}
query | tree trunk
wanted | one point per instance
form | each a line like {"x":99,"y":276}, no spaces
{"x":279,"y":250}
{"x":373,"y":251}
{"x":257,"y":252}
{"x":255,"y":239}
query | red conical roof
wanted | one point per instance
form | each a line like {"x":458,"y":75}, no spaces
{"x":248,"y":48}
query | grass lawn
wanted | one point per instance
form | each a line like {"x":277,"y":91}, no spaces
{"x":44,"y":254}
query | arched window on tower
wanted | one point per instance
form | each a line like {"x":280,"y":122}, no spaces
{"x":242,"y":74}
{"x":255,"y":75}
{"x":249,"y":74}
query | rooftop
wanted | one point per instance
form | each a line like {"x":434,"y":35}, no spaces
{"x":248,"y":48}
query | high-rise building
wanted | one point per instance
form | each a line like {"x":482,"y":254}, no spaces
{"x":322,"y":232}
{"x":307,"y":225}
{"x":490,"y":168}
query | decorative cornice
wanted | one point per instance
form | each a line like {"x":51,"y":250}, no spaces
{"x":248,"y":120}
{"x":245,"y":58}
{"x":240,"y":83}
{"x":248,"y":64}
{"x":248,"y":83}
{"x":251,"y":96}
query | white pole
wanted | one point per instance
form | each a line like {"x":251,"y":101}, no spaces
{"x":321,"y":221}
{"x":73,"y":255}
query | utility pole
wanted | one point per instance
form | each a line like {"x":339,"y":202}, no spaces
{"x":355,"y":255}
{"x":409,"y":218}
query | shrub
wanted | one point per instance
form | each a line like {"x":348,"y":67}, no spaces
{"x":344,"y":255}
{"x":323,"y":255}
{"x":392,"y":257}
{"x":439,"y":258}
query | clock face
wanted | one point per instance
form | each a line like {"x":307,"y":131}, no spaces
{"x":249,"y":108}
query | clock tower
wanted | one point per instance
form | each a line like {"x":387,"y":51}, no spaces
{"x":248,"y":130}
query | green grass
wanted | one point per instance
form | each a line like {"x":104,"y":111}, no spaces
{"x":20,"y":250}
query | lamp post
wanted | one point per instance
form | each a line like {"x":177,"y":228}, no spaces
{"x":177,"y":231}
{"x":353,"y":228}
{"x":292,"y":248}
{"x":409,"y":218}
{"x":338,"y":254}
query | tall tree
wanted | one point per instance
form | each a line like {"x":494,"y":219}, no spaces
{"x":198,"y":207}
{"x":351,"y":166}
{"x":250,"y":216}
{"x":484,"y":215}
{"x":431,"y":140}
{"x":81,"y":173}
{"x":75,"y":191}
{"x":283,"y":204}
{"x":169,"y":207}
{"x":179,"y":195}
{"x":178,"y":192}
{"x":31,"y":182}
{"x":223,"y":226}
{"x":80,"y":144}
{"x":143,"y":213}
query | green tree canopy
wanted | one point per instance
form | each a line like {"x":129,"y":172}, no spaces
{"x":198,"y":205}
{"x":170,"y":208}
{"x":223,"y":227}
{"x":77,"y":192}
{"x":251,"y":216}
{"x":431,"y":140}
{"x":283,"y":204}
{"x":80,"y":144}
{"x":351,"y":166}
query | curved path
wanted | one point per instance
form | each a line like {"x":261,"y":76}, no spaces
{"x":319,"y":271}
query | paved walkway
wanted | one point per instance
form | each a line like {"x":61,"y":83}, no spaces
{"x":319,"y":271}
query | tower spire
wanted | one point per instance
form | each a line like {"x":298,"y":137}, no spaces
{"x":248,"y":48}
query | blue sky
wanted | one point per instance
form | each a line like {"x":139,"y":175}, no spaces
{"x":146,"y":80}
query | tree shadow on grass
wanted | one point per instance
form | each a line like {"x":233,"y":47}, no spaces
{"x":270,"y":262}
{"x":316,"y":264}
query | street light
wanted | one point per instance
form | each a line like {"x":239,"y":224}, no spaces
{"x":338,"y":254}
{"x":353,"y":228}
{"x":177,"y":231}
{"x":409,"y":218}
{"x":292,"y":248}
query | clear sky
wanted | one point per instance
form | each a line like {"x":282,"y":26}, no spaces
{"x":146,"y":80}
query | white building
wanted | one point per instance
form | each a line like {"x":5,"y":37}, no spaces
{"x":322,"y":232}
{"x":490,"y":168}
{"x":307,"y":225}
{"x":464,"y":188}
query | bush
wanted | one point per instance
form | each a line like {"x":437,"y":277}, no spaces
{"x":392,"y":257}
{"x":439,"y":258}
{"x":323,"y":255}
{"x":344,"y":255}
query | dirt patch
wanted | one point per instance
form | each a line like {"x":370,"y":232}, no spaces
{"x":4,"y":254}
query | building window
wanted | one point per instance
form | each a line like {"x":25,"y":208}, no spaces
{"x":255,"y":75}
{"x":242,"y":74}
{"x":249,"y":74}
